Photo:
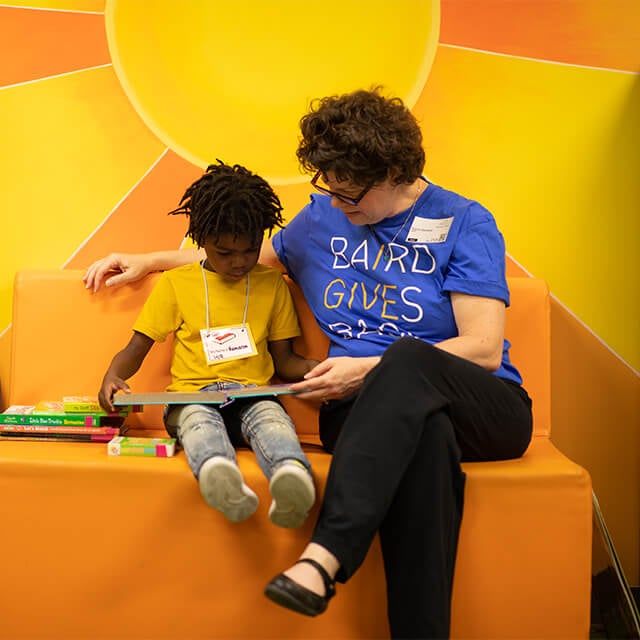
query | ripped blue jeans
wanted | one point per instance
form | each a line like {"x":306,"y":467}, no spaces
{"x":205,"y":430}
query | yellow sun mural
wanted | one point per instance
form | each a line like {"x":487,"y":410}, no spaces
{"x":210,"y":79}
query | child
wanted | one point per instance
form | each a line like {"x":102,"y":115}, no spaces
{"x":233,"y":322}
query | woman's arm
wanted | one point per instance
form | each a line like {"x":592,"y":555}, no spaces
{"x":124,"y":364}
{"x":480,"y":323}
{"x":129,"y":267}
{"x":480,"y":338}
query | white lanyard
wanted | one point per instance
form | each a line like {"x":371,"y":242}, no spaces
{"x":206,"y":298}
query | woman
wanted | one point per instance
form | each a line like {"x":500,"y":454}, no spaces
{"x":408,"y":281}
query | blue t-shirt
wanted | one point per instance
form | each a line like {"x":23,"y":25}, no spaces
{"x":367,"y":287}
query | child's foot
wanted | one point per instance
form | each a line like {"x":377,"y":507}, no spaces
{"x":293,"y":494}
{"x":222,"y":488}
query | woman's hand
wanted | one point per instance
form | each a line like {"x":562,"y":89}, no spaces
{"x":129,"y":267}
{"x":334,"y":378}
{"x":125,"y":267}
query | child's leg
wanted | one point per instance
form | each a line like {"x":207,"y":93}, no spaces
{"x":269,"y":431}
{"x":201,"y":431}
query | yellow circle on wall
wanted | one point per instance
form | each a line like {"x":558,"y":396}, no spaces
{"x":217,"y":79}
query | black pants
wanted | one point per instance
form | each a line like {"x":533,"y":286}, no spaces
{"x":397,"y":449}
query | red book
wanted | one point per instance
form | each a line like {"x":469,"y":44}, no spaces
{"x":62,"y":437}
{"x":58,"y":429}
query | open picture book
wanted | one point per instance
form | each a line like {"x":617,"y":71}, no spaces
{"x":199,"y":397}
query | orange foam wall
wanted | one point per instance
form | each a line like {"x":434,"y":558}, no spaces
{"x":37,"y":43}
{"x":570,"y":32}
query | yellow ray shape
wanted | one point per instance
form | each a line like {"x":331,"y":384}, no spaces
{"x":552,"y":150}
{"x":72,"y":148}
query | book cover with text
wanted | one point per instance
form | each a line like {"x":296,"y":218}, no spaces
{"x":50,"y":414}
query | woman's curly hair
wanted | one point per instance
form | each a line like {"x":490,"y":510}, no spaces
{"x":362,"y":137}
{"x":229,"y":199}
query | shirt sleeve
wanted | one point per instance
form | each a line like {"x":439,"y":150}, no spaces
{"x":159,"y":316}
{"x":477,"y":262}
{"x":289,"y":240}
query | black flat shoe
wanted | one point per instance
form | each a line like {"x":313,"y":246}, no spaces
{"x":287,"y":593}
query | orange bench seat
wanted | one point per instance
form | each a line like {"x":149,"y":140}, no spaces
{"x":103,"y":547}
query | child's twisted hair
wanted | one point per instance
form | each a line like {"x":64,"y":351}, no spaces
{"x":229,"y":199}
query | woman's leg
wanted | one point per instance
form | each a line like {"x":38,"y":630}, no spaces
{"x":396,"y":469}
{"x":333,"y":415}
{"x":419,"y":556}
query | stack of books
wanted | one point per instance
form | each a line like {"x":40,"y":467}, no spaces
{"x":74,"y":418}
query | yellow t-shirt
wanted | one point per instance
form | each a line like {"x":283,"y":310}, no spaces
{"x":177,"y":305}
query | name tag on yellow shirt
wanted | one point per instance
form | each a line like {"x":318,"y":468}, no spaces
{"x":222,"y":344}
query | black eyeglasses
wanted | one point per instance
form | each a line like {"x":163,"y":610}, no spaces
{"x":339,"y":196}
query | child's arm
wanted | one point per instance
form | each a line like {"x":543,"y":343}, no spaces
{"x":124,"y":364}
{"x":288,"y":364}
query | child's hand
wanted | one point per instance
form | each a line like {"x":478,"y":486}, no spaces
{"x":110,"y":385}
{"x":124,"y":364}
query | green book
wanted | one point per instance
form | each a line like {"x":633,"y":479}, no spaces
{"x":89,"y":404}
{"x":38,"y":415}
{"x":132,"y":446}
